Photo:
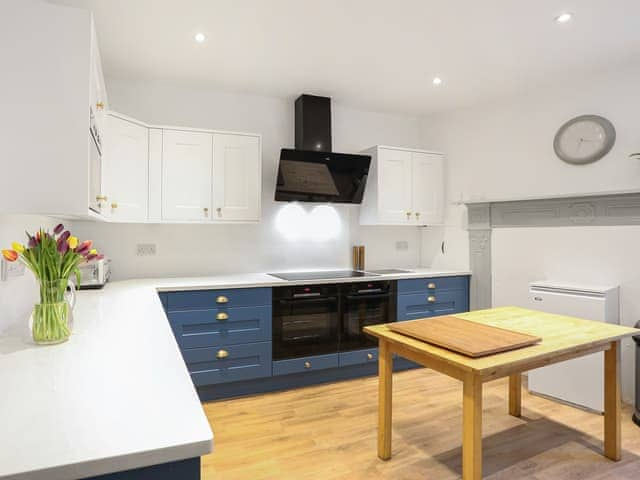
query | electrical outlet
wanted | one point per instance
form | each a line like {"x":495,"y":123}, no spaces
{"x":146,"y":249}
{"x":402,"y":245}
{"x":10,"y":270}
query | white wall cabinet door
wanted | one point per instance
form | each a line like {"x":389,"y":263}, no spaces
{"x":186,"y":175}
{"x":394,"y":186}
{"x":427,"y":188}
{"x":126,"y":170}
{"x":237,"y":176}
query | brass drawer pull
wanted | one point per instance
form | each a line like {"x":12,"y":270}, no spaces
{"x":431,"y":298}
{"x":222,"y":316}
{"x":408,"y":215}
{"x":222,"y":354}
{"x":307,"y":364}
{"x":369,"y":356}
{"x":431,"y":285}
{"x":222,"y":299}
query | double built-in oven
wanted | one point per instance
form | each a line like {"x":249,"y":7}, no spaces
{"x":322,"y":319}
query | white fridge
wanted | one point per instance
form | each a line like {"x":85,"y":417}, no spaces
{"x":579,"y":381}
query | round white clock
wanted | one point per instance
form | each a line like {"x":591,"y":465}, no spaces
{"x":584,"y":139}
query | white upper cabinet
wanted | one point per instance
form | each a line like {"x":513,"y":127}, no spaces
{"x":427,"y":188}
{"x":237,"y":176}
{"x":405,"y":187}
{"x":187,"y":159}
{"x":126,"y":170}
{"x":394,"y":185}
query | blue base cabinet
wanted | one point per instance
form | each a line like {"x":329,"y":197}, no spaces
{"x":225,"y":337}
{"x":188,"y":469}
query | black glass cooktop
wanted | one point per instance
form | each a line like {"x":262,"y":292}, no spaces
{"x":320,"y":275}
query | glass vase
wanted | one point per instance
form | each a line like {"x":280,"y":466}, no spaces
{"x":51,"y":320}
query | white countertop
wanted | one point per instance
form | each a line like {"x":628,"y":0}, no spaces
{"x":117,"y":395}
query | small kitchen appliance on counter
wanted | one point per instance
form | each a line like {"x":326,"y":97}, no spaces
{"x":95,"y":274}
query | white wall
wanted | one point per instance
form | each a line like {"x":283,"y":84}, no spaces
{"x":505,"y":150}
{"x":19,"y":294}
{"x":210,"y":249}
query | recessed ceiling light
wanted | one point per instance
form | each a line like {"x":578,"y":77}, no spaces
{"x":564,"y":17}
{"x":200,"y":37}
{"x":437,"y":81}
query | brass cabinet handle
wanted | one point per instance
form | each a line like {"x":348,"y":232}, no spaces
{"x":431,"y":285}
{"x":369,"y":356}
{"x":417,"y":215}
{"x":222,"y":299}
{"x":222,"y":316}
{"x":219,"y":210}
{"x":408,"y":215}
{"x":99,"y":105}
{"x":114,"y":205}
{"x":431,"y":298}
{"x":206,"y":211}
{"x":222,"y":354}
{"x":307,"y":364}
{"x":101,"y":198}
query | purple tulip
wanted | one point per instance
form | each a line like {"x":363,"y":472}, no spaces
{"x":59,"y":228}
{"x":62,"y":246}
{"x":83,"y":250}
{"x":65,"y":235}
{"x":32,"y":242}
{"x":91,"y":256}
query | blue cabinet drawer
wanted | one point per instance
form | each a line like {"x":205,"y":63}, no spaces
{"x":356,"y":357}
{"x":421,"y":305}
{"x":203,"y":299}
{"x":432,"y":285}
{"x":163,"y":299}
{"x":305,"y":364}
{"x":239,"y":362}
{"x":213,"y":327}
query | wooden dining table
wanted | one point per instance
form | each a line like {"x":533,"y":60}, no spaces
{"x":563,"y":338}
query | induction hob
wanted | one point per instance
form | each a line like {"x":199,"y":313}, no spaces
{"x":322,"y":275}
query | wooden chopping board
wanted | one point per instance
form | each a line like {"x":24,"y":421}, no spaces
{"x":463,"y":336}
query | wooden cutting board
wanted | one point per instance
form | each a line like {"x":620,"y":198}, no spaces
{"x":463,"y":336}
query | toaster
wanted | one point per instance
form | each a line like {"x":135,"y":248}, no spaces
{"x":95,"y":274}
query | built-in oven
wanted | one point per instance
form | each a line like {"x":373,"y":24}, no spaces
{"x":305,"y":321}
{"x":363,"y":304}
{"x":95,"y":166}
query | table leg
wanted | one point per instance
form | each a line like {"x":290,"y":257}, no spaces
{"x":612,"y":402}
{"x":515,"y":394}
{"x":385,"y":388}
{"x":472,"y":428}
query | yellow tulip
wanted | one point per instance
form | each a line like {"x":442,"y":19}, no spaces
{"x":18,"y":247}
{"x":73,"y":242}
{"x":93,"y":251}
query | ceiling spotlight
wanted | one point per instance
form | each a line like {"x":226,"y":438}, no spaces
{"x":437,"y":81}
{"x":564,"y":17}
{"x":200,"y":37}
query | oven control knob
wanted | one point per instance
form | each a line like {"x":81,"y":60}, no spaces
{"x":307,"y":364}
{"x":369,"y":356}
{"x":222,"y":299}
{"x":431,"y":299}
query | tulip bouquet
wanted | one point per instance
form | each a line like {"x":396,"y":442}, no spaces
{"x":53,"y":258}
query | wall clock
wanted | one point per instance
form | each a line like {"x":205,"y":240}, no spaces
{"x":584,"y":139}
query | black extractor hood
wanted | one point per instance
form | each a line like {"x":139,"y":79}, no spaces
{"x":312,"y":172}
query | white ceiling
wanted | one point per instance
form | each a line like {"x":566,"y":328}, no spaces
{"x":374,"y":54}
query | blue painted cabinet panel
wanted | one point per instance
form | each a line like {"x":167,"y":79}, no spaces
{"x":432,"y":285}
{"x":369,"y":355}
{"x":205,"y":299}
{"x":305,"y":364}
{"x":243,"y":362}
{"x":421,"y":305}
{"x":213,"y":327}
{"x":163,"y":299}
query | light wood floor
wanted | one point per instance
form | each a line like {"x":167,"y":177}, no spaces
{"x":329,"y":432}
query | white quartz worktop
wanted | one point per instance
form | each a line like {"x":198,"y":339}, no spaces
{"x":117,"y":395}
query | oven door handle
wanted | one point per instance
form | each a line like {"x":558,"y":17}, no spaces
{"x":367,"y":297}
{"x":285,"y":301}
